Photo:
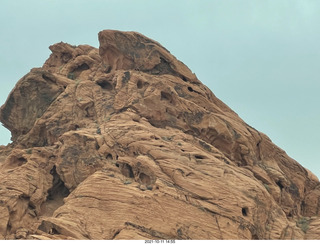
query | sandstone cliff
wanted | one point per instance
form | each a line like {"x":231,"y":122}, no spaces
{"x":124,"y":142}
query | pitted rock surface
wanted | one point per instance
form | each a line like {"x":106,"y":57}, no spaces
{"x":124,"y":142}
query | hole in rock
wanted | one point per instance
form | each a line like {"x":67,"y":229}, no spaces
{"x":226,"y":161}
{"x":126,"y":77}
{"x":58,"y":188}
{"x":31,"y":206}
{"x":166,"y":96}
{"x":163,"y":67}
{"x":16,"y":161}
{"x":73,"y":127}
{"x":139,"y":84}
{"x":105,"y":85}
{"x":197,"y":156}
{"x":77,"y":71}
{"x":21,"y":161}
{"x":190,"y":89}
{"x":82,"y":67}
{"x":126,"y":170}
{"x":56,"y":194}
{"x":107,"y":68}
{"x":90,"y":113}
{"x":183,"y":78}
{"x":245,"y":211}
{"x":145,"y":179}
{"x":97,"y":146}
{"x":109,"y":156}
{"x":279,"y":184}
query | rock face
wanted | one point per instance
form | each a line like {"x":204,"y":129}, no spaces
{"x":124,"y":142}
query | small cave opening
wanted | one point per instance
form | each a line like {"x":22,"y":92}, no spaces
{"x":109,"y":157}
{"x":82,"y":67}
{"x":190,"y":89}
{"x":139,"y":84}
{"x":16,"y":161}
{"x":126,"y":77}
{"x":184,"y":78}
{"x":56,"y":194}
{"x":106,"y":85}
{"x":245,"y":211}
{"x":21,"y":161}
{"x":58,"y":188}
{"x":279,"y":184}
{"x":126,"y":170}
{"x":166,"y":96}
{"x":31,"y":206}
{"x":163,"y":67}
{"x":97,"y":146}
{"x":144,"y":179}
{"x":77,"y":71}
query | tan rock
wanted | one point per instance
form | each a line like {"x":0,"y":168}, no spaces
{"x":4,"y":219}
{"x":21,"y":233}
{"x":124,"y":142}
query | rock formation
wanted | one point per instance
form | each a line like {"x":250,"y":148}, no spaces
{"x":124,"y":142}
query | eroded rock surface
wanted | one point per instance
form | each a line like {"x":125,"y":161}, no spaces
{"x":124,"y":142}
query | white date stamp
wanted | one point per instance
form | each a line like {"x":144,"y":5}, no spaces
{"x":160,"y":241}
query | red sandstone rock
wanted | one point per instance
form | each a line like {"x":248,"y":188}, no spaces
{"x":125,"y":142}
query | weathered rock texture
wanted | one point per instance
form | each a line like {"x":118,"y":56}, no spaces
{"x":124,"y":142}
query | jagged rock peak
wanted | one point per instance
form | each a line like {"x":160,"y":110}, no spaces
{"x":131,"y":50}
{"x":124,"y":142}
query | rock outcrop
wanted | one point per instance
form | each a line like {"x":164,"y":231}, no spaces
{"x":124,"y":142}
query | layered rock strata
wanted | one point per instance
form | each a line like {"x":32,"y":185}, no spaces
{"x":124,"y":142}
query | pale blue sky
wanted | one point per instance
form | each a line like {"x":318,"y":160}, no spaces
{"x":260,"y":57}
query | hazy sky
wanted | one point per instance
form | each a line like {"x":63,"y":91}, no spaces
{"x":260,"y":57}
